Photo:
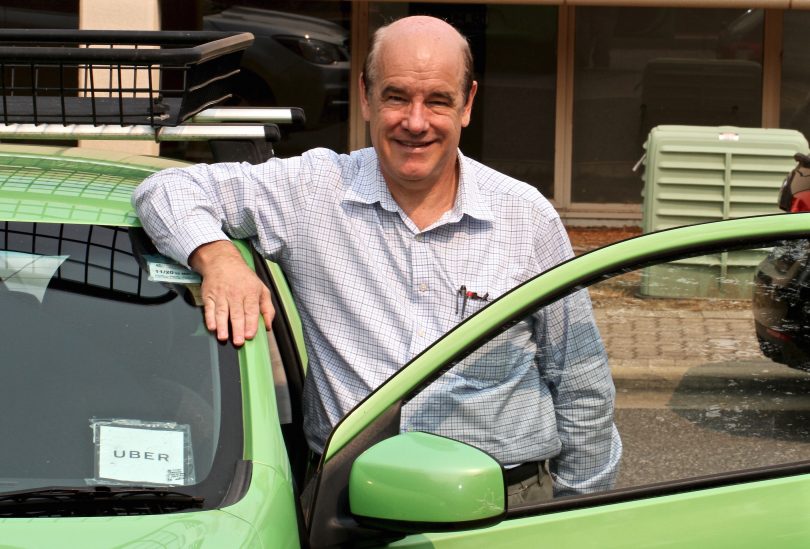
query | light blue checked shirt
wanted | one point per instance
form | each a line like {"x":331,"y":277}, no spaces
{"x":373,"y":291}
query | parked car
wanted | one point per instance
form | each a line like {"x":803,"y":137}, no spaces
{"x":128,"y":424}
{"x":782,"y":293}
{"x":295,"y":60}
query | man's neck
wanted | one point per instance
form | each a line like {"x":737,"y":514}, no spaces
{"x":425,"y":206}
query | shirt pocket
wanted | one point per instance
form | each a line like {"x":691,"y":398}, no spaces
{"x":470,"y":300}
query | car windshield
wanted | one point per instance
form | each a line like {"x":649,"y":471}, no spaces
{"x":109,"y":376}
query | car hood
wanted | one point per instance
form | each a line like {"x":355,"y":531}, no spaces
{"x":196,"y":529}
{"x":269,"y":22}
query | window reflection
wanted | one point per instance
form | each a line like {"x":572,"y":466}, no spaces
{"x":697,"y":393}
{"x":299,"y":58}
{"x":795,"y":99}
{"x":637,"y":68}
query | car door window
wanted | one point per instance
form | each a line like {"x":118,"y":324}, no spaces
{"x":707,"y":355}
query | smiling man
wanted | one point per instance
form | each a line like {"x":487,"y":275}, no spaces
{"x":377,"y":245}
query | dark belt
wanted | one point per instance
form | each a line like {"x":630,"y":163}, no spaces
{"x":522,"y":472}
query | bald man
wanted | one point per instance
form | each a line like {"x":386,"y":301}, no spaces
{"x":376,"y":245}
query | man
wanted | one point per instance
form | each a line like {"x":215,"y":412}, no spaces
{"x":388,"y":248}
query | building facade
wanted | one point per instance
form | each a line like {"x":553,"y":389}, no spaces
{"x":568,"y":90}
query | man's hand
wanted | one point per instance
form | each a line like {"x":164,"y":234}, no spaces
{"x":231,"y":291}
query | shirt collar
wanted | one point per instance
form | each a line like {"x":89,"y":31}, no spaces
{"x":369,"y":188}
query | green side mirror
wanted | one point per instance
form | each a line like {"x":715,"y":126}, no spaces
{"x":423,"y":482}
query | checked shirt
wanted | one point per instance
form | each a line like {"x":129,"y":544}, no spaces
{"x":373,"y":291}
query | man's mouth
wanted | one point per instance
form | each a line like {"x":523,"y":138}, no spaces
{"x":413,"y":145}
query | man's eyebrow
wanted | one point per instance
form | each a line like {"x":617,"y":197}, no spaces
{"x":395,"y":90}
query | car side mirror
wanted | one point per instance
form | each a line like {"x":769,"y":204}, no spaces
{"x":422,"y":482}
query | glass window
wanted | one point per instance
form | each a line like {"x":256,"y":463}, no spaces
{"x":88,"y":339}
{"x":636,"y":68}
{"x":299,"y":58}
{"x":709,"y":356}
{"x":40,"y":14}
{"x":795,"y":98}
{"x":515,"y":55}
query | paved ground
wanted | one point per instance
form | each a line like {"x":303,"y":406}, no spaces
{"x":660,"y":345}
{"x":652,"y":343}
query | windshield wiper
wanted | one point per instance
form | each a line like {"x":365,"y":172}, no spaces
{"x":95,"y":501}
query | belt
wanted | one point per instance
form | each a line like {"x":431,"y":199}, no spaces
{"x":522,"y":472}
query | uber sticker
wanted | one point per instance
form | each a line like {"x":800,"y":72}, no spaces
{"x":132,"y":451}
{"x":163,"y":269}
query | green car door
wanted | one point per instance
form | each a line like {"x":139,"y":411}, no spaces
{"x":716,"y":453}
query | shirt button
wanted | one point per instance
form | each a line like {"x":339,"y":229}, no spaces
{"x":419,"y":238}
{"x":423,"y":287}
{"x":421,"y":332}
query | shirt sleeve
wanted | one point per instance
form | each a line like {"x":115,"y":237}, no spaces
{"x":574,"y":364}
{"x":184,"y":208}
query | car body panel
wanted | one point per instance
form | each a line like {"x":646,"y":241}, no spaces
{"x":760,"y":514}
{"x":72,"y":184}
{"x":200,"y":529}
{"x":269,"y":506}
{"x":290,"y":310}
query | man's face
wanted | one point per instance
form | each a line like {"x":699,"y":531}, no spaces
{"x":416,"y":110}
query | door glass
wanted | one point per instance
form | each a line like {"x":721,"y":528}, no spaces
{"x":708,"y":357}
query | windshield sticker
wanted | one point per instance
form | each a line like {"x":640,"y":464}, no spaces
{"x":28,"y":273}
{"x":163,"y":269}
{"x":144,"y":452}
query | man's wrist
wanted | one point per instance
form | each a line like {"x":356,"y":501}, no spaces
{"x":207,"y":254}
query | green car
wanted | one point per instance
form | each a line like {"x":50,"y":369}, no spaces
{"x":126,"y":424}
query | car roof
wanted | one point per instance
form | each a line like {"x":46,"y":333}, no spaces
{"x":72,"y":184}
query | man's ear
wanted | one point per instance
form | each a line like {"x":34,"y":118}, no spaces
{"x":365,"y":108}
{"x":465,"y":114}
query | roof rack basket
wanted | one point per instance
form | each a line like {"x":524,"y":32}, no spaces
{"x":123,"y":78}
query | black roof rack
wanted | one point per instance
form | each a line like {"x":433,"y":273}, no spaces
{"x":124,"y":78}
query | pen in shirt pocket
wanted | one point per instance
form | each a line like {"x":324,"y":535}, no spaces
{"x":463,"y":295}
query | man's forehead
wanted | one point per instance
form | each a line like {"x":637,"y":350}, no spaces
{"x":408,"y":67}
{"x":426,"y":87}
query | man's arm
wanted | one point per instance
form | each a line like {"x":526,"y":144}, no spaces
{"x":573,"y":362}
{"x":185,"y":212}
{"x":584,"y":397}
{"x":231,"y":292}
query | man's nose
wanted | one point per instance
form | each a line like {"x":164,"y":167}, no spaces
{"x":416,"y":120}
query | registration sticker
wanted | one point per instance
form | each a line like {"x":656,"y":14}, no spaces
{"x":142,"y":452}
{"x":163,"y":269}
